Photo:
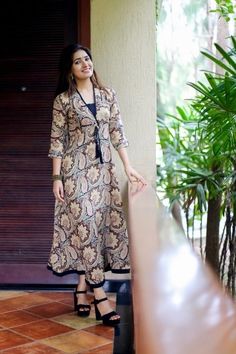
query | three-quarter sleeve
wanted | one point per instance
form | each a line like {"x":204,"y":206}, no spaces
{"x":116,"y":128}
{"x":59,"y":130}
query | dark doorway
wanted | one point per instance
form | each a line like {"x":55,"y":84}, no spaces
{"x":32,"y":36}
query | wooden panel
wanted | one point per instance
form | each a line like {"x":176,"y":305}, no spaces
{"x":32,"y":35}
{"x":10,"y":274}
{"x":84,"y":22}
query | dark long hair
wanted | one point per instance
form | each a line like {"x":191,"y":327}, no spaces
{"x":65,"y":82}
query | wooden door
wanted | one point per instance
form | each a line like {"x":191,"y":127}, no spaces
{"x":32,"y":35}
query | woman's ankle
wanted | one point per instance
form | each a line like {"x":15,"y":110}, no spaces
{"x":81,"y":286}
{"x":99,"y":293}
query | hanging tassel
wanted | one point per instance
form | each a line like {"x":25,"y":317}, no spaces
{"x":98,"y":152}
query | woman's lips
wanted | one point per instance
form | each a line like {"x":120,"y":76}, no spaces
{"x":86,"y":70}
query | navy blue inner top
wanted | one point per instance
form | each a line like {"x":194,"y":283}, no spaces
{"x":92,"y":108}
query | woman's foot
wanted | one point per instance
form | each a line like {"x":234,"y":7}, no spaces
{"x":104,"y":306}
{"x":80,"y":299}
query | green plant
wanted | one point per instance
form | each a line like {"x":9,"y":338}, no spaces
{"x":225,"y":8}
{"x":199,"y":146}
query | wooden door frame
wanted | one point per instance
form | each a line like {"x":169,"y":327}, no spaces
{"x":84,"y":29}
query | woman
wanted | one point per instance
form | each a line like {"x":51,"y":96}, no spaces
{"x":90,"y":234}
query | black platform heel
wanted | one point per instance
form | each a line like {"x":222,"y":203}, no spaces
{"x":82,"y":309}
{"x":106,"y":319}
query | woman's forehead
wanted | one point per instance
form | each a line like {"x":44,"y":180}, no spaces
{"x":80,"y":54}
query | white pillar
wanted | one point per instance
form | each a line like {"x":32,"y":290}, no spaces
{"x":123,"y":44}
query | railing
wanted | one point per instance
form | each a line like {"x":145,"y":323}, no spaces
{"x":179,"y":305}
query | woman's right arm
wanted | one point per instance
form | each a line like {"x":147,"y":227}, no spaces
{"x":58,"y":189}
{"x":59,"y":133}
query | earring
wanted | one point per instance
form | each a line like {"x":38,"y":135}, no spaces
{"x":72,"y":77}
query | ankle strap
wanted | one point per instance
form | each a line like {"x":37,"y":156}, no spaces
{"x":97,"y":301}
{"x":80,"y":291}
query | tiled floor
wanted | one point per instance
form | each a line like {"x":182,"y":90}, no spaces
{"x":44,"y":322}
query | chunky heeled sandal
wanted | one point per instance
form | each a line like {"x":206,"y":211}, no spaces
{"x":82,"y":309}
{"x":107,"y":318}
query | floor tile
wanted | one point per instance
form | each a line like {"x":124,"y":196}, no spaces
{"x":23,"y":301}
{"x":100,"y":330}
{"x":67,"y":301}
{"x":6,"y":307}
{"x":35,"y":348}
{"x":105,"y":349}
{"x":70,"y":300}
{"x":57,"y":295}
{"x":74,"y":321}
{"x":76,"y":342}
{"x":17,"y":318}
{"x":9,"y":339}
{"x":49,"y":317}
{"x":90,"y":297}
{"x":51,"y":310}
{"x":7,"y":294}
{"x":42,"y":329}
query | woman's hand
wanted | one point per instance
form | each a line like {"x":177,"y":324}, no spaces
{"x":58,"y":190}
{"x":133,"y":175}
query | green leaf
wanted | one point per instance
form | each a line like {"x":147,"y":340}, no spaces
{"x":201,"y":197}
{"x":218,"y":62}
{"x":225,"y":55}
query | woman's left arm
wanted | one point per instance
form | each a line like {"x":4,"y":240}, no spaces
{"x":120,"y":142}
{"x":131,"y":173}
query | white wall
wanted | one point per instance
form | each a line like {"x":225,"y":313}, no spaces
{"x":123,"y":44}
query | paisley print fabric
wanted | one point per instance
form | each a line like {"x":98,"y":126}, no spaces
{"x":90,"y":233}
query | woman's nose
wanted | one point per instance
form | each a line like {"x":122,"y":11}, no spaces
{"x":84,"y":64}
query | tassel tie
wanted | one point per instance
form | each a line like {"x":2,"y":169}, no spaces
{"x":98,"y":151}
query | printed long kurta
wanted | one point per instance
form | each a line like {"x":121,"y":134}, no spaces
{"x":90,"y":233}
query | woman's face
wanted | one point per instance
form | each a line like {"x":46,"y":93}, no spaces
{"x":82,"y":67}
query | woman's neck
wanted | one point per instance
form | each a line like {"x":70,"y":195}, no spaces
{"x":84,"y":85}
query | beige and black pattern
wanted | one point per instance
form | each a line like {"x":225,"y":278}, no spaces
{"x":89,"y":227}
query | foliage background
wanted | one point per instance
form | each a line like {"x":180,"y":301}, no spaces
{"x":190,"y":169}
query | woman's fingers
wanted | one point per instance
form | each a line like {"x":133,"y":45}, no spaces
{"x":138,"y":178}
{"x":61,"y":191}
{"x":131,"y":177}
{"x":61,"y":196}
{"x":58,"y":191}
